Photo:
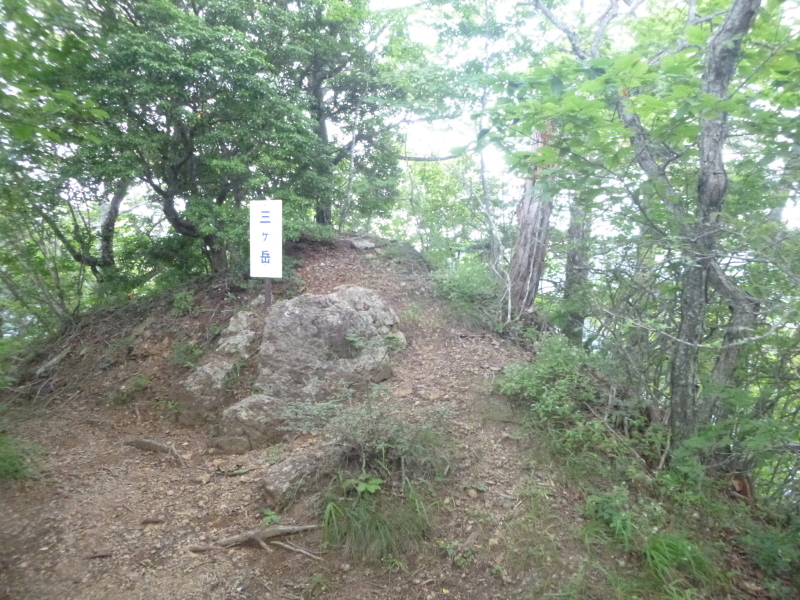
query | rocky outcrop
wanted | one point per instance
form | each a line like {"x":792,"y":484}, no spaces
{"x":314,"y":343}
{"x":311,"y":345}
{"x":256,"y":419}
{"x":207,"y":382}
{"x":282,"y":481}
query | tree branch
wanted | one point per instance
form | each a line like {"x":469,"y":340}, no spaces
{"x":602,"y":24}
{"x":429,"y":158}
{"x":571,"y":34}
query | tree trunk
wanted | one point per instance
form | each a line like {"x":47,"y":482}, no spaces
{"x":722,"y":56}
{"x":324,"y":205}
{"x":576,"y":271}
{"x":528,"y":261}
{"x":217,"y":255}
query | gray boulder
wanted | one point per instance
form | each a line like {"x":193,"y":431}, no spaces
{"x":240,"y":333}
{"x":206,"y":383}
{"x":362,"y":244}
{"x":282,"y":481}
{"x":257,"y":418}
{"x":314,"y":343}
{"x":229,"y":444}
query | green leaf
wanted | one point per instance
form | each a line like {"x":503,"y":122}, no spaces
{"x":22,"y":131}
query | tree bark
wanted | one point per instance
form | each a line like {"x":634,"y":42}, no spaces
{"x":576,"y":271}
{"x":530,"y":250}
{"x":722,"y":56}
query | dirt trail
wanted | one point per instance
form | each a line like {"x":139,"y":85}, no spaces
{"x":107,"y":521}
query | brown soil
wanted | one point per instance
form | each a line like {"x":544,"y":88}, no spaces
{"x":103,"y":520}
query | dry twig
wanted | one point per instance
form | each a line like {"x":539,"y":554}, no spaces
{"x":153,"y":446}
{"x":256,"y":536}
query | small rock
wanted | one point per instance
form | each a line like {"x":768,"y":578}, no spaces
{"x":344,"y":567}
{"x":472,"y":493}
{"x":230,"y":444}
{"x":432,"y":394}
{"x":283,"y":480}
{"x":362,"y":244}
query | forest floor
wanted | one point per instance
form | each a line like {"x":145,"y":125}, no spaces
{"x":106,"y":521}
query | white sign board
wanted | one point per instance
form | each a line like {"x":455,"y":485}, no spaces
{"x":266,"y":238}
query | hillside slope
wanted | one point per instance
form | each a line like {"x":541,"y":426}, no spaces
{"x":105,"y":520}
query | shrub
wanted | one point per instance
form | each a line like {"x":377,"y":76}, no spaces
{"x":557,"y":386}
{"x":182,"y":303}
{"x":372,"y":524}
{"x":668,"y":555}
{"x":775,"y":550}
{"x":471,"y":293}
{"x":13,"y":461}
{"x":373,"y":436}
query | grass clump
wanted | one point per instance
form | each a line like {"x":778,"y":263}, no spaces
{"x":14,"y":462}
{"x":372,"y":508}
{"x":471,"y":293}
{"x":671,"y":556}
{"x":372,"y":524}
{"x":15,"y":456}
{"x":186,"y":354}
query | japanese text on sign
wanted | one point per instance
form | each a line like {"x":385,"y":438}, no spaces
{"x":266,"y":238}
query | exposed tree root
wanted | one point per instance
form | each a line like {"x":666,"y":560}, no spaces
{"x":260,"y":537}
{"x":154,"y":446}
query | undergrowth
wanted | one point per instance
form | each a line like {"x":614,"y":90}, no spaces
{"x":670,"y":520}
{"x":471,"y":294}
{"x":375,"y":506}
{"x":368,"y":523}
{"x":15,"y":455}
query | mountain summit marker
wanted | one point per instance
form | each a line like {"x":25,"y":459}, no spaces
{"x":266,"y":242}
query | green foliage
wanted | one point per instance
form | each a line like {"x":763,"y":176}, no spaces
{"x":458,"y":553}
{"x":14,"y":459}
{"x":612,"y":509}
{"x":186,"y":354}
{"x":670,"y":555}
{"x":182,"y":303}
{"x":357,"y":342}
{"x":171,"y":408}
{"x":362,"y":484}
{"x":775,"y":549}
{"x":269,"y":517}
{"x":15,"y":456}
{"x":470,"y":292}
{"x":129,"y":390}
{"x":372,"y":525}
{"x":395,"y":342}
{"x":557,"y":386}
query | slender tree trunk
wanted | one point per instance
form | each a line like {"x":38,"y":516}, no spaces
{"x":722,"y":57}
{"x":530,"y":251}
{"x":217,"y":254}
{"x":325,"y":204}
{"x":576,"y":272}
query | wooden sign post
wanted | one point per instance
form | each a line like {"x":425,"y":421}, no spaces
{"x":266,"y":243}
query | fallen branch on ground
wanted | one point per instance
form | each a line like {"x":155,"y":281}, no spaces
{"x":154,"y":446}
{"x":259,"y":537}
